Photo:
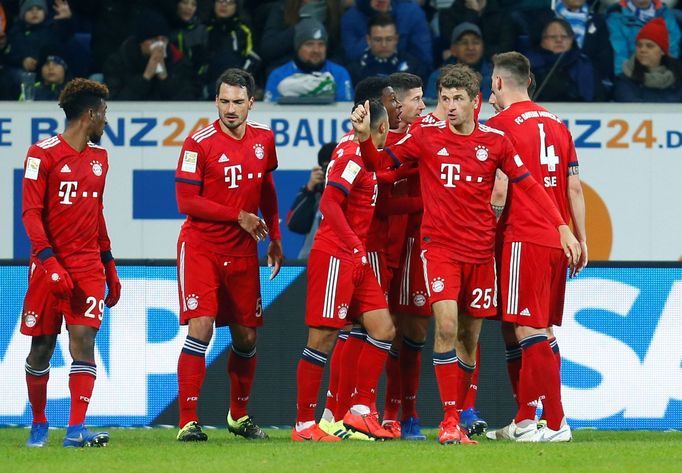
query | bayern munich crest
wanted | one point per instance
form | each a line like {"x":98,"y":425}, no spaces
{"x":30,"y":319}
{"x":259,"y":150}
{"x":96,"y":168}
{"x":343,"y":311}
{"x":437,"y":285}
{"x":481,"y":153}
{"x":192,"y":301}
{"x":419,"y":299}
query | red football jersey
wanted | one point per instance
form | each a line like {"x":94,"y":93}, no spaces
{"x":397,"y":224}
{"x":230,"y":172}
{"x":67,"y":187}
{"x":457,"y":174}
{"x":377,"y":237}
{"x":347,"y":173}
{"x":546,"y":147}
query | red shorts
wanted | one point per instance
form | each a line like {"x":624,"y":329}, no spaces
{"x":533,"y":284}
{"x":377,"y":261}
{"x":412,"y":296}
{"x":43,"y":312}
{"x":473,"y":286}
{"x":332,"y":297}
{"x":224,"y":287}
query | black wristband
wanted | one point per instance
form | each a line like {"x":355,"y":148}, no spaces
{"x":106,"y":256}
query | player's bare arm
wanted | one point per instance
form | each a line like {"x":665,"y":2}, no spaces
{"x":576,"y":201}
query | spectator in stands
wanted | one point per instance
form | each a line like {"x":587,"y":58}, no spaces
{"x":278,"y":36}
{"x":651,"y":75}
{"x":189,"y":35}
{"x":53,"y":76}
{"x":230,"y":43}
{"x":382,"y":57}
{"x":624,"y":21}
{"x":304,"y":216}
{"x":34,"y":33}
{"x":310,"y":73}
{"x":590,"y":35}
{"x":498,"y":31}
{"x":113,"y":21}
{"x":415,"y":35}
{"x":147,"y":67}
{"x":466,"y":47}
{"x":564,"y":74}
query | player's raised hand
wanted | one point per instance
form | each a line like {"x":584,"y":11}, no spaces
{"x":253,"y":225}
{"x":360,"y":120}
{"x":275,"y":258}
{"x":61,"y":284}
{"x":571,"y":247}
{"x":113,"y":283}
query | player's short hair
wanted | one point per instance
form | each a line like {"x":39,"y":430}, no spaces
{"x":516,"y":65}
{"x":382,"y":20}
{"x":463,"y":77}
{"x":377,"y":113}
{"x":532,"y":84}
{"x":441,"y":72}
{"x":80,"y":95}
{"x":238,"y":78}
{"x":404,"y":81}
{"x":370,"y":88}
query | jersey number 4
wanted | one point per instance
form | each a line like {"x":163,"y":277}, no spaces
{"x":547,"y":156}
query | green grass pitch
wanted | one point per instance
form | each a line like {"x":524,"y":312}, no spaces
{"x":133,"y":450}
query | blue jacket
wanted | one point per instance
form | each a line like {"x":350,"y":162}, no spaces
{"x":627,"y":90}
{"x":370,"y":65}
{"x":415,"y":35}
{"x":623,"y":28}
{"x":344,"y":86}
{"x":485,"y":68}
{"x":573,"y":80}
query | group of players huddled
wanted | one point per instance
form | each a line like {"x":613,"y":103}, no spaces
{"x":423,"y":216}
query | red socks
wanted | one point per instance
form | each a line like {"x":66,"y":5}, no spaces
{"x":372,"y":361}
{"x":241,"y":367}
{"x":393,"y":386}
{"x":348,"y":371}
{"x":539,"y":380}
{"x":335,"y":371}
{"x":472,"y":390}
{"x":36,"y":382}
{"x":308,"y":380}
{"x":454,"y":378}
{"x":410,"y":366}
{"x":513,"y":355}
{"x":191,"y":373}
{"x":81,"y":382}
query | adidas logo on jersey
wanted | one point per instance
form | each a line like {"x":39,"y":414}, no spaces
{"x":443,"y":152}
{"x":65,"y":168}
{"x":525,"y":312}
{"x":223,"y":158}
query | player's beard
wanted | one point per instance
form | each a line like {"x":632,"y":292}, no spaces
{"x":95,"y":137}
{"x":234,"y":124}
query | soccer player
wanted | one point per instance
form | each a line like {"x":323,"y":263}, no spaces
{"x":224,"y":176}
{"x":457,"y":164}
{"x":343,"y":364}
{"x":341,"y":285}
{"x":71,"y":257}
{"x":533,"y":267}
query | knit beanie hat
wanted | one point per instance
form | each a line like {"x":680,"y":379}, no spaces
{"x":657,"y":31}
{"x":150,"y":25}
{"x":308,"y":29}
{"x":26,"y":5}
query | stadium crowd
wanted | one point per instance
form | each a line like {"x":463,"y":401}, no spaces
{"x":580,"y":51}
